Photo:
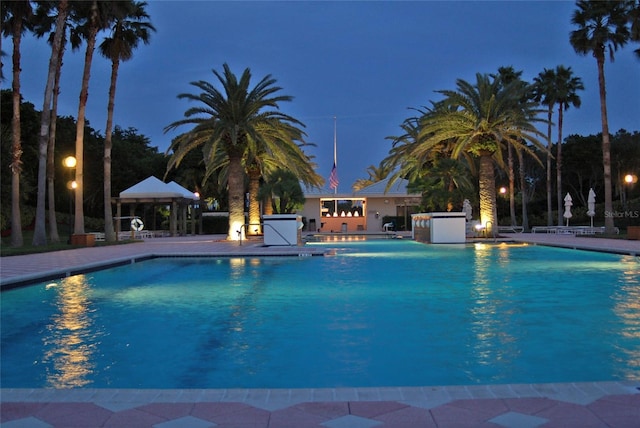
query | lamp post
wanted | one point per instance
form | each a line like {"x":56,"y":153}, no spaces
{"x":629,"y":180}
{"x":70,"y":163}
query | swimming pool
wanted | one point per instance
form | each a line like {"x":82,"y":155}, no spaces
{"x":375,"y":313}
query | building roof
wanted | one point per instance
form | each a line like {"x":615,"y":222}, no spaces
{"x":397,"y":189}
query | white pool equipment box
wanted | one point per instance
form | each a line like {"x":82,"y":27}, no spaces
{"x":282,"y":229}
{"x":439,"y":227}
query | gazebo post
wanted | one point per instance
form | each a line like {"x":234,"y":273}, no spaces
{"x":132,"y":213}
{"x":183,"y":210}
{"x":173,"y":220}
{"x":118,"y":215}
{"x":193,"y":218}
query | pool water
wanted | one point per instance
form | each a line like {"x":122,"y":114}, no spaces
{"x":373,"y":313}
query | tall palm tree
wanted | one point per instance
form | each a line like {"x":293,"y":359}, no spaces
{"x":478,"y":120}
{"x":39,"y":234}
{"x":543,"y":90}
{"x":130,"y":27}
{"x":15,"y":21}
{"x":602,"y":28}
{"x":508,"y":75}
{"x":566,"y":88}
{"x":97,"y":15}
{"x":45,"y":22}
{"x":281,"y":149}
{"x":227,"y":122}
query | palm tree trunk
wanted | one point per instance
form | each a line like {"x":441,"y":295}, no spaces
{"x":549,"y":207}
{"x":523,"y":191}
{"x":559,"y":165}
{"x":236,"y":197}
{"x":51,"y":169}
{"x":78,"y":226}
{"x":487,"y":184}
{"x":39,"y":234}
{"x":16,"y":143}
{"x":254,"y":204}
{"x":268,"y":205}
{"x":512,"y":186}
{"x":109,"y":232}
{"x":606,"y":149}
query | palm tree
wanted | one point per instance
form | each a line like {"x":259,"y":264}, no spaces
{"x":129,"y":29}
{"x":15,"y":21}
{"x":602,"y":28}
{"x":634,"y":20}
{"x":376,"y":174}
{"x":477,"y":120}
{"x":444,"y":184}
{"x":281,"y":147}
{"x":44,"y":20}
{"x":97,"y":16}
{"x":39,"y":234}
{"x":508,"y":75}
{"x":283,"y":186}
{"x":543,"y":92}
{"x":566,"y":87}
{"x":227,"y":122}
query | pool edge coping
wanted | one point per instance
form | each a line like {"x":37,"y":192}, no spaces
{"x":581,"y":393}
{"x":18,"y":281}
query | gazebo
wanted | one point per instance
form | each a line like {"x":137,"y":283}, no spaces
{"x":152,"y":191}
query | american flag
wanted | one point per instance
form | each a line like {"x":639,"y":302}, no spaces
{"x":333,"y":178}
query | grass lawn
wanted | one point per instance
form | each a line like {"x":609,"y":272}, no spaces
{"x":27,"y":236}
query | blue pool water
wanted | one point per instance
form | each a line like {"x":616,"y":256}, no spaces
{"x":374,"y":313}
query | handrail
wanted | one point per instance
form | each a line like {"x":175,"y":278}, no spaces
{"x":239,"y":232}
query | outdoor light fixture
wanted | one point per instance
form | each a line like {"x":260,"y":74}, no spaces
{"x":630,"y":179}
{"x":70,"y":163}
{"x":503,"y":190}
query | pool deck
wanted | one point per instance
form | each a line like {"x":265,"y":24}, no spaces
{"x":595,"y":404}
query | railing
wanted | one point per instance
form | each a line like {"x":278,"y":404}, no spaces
{"x":244,"y":226}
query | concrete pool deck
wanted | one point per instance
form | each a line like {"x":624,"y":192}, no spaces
{"x":597,"y":404}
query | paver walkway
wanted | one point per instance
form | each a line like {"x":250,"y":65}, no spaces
{"x":605,"y":404}
{"x":601,"y":404}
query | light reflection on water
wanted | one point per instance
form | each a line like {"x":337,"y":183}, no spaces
{"x":71,"y":341}
{"x":627,"y":308}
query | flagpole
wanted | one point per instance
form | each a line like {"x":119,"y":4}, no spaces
{"x":335,"y":160}
{"x":335,"y":147}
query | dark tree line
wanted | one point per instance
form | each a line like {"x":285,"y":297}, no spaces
{"x":133,"y":157}
{"x":582,"y":170}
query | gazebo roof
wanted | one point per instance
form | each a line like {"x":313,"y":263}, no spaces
{"x":153,"y":188}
